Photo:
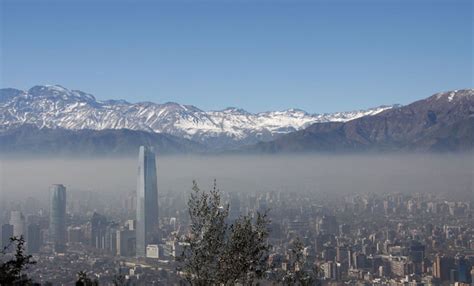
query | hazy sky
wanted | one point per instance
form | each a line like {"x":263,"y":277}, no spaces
{"x":321,"y":56}
{"x":407,"y":173}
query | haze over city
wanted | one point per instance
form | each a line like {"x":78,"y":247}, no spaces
{"x":236,"y":142}
{"x":328,"y":174}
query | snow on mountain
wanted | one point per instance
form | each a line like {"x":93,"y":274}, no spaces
{"x":54,"y":106}
{"x":454,"y":95}
{"x":443,"y":122}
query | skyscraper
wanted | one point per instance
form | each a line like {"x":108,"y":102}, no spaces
{"x":7,"y":233}
{"x":33,"y":238}
{"x":147,"y":200}
{"x":57,"y":217}
{"x":126,"y":242}
{"x":98,"y":229}
{"x":442,"y":266}
{"x":18,"y":221}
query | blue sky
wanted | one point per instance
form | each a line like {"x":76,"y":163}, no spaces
{"x":320,"y":56}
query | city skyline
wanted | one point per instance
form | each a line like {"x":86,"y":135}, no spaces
{"x":279,"y":142}
{"x":387,"y":235}
{"x":391,"y":238}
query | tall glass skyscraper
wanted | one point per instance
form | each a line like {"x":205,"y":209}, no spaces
{"x":57,"y":217}
{"x":147,"y":200}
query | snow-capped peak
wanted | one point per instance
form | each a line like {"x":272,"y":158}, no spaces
{"x":454,"y":95}
{"x":55,"y":106}
{"x":233,"y":110}
{"x":51,"y":91}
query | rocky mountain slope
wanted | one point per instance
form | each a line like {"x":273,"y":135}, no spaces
{"x":442,"y":122}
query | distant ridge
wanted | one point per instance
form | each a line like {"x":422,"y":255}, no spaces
{"x":442,"y":122}
{"x":29,"y":139}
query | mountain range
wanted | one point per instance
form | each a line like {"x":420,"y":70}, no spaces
{"x":442,"y":122}
{"x":58,"y":108}
{"x":51,"y":118}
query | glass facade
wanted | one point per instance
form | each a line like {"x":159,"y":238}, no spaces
{"x":147,"y":200}
{"x":57,"y":217}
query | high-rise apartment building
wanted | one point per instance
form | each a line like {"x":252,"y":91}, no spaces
{"x":17,"y":219}
{"x":33,"y":238}
{"x":442,"y":266}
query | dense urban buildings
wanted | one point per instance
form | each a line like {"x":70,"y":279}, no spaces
{"x":348,"y":238}
{"x":362,"y":239}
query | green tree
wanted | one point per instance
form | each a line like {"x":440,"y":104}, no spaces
{"x":12,"y":271}
{"x":299,"y":270}
{"x":246,"y":253}
{"x":217,"y":253}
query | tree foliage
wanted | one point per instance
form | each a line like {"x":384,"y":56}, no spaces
{"x":299,"y":270}
{"x":12,"y":270}
{"x":219,"y":253}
